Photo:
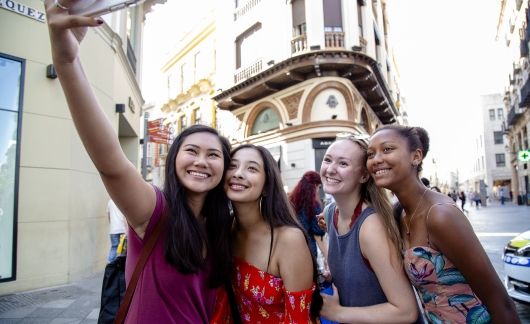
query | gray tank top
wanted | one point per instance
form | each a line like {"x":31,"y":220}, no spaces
{"x":356,"y":282}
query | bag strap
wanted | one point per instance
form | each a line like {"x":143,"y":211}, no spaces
{"x":142,"y":260}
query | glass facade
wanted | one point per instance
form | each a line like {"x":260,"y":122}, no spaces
{"x":11,"y":93}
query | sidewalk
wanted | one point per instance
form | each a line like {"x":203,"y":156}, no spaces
{"x":77,"y":302}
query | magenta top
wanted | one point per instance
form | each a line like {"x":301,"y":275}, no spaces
{"x":163,"y":294}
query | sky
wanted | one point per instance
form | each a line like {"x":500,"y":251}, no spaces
{"x":447,"y":57}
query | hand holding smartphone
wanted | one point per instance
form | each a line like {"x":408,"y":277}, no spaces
{"x":94,"y":8}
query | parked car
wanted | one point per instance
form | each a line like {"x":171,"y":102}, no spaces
{"x":516,"y":258}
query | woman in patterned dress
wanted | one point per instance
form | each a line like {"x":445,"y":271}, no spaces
{"x":443,"y":258}
{"x":274,"y":272}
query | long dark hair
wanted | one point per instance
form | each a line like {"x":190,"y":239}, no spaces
{"x":303,"y":195}
{"x":185,"y":239}
{"x":277,"y":211}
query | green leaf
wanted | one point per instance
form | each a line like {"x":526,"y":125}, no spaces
{"x":478,"y":315}
{"x":459,"y":299}
{"x":450,"y":277}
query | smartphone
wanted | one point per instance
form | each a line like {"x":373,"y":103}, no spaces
{"x":94,"y":8}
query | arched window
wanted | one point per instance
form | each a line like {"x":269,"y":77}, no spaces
{"x":266,"y":120}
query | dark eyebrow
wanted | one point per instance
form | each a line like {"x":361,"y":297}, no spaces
{"x":198,"y":147}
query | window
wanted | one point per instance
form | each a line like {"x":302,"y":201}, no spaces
{"x":183,"y":122}
{"x":332,"y":15}
{"x":500,"y":114}
{"x":266,"y":120}
{"x":498,"y":137}
{"x":500,"y":160}
{"x":248,"y":46}
{"x":11,"y":96}
{"x":197,"y":116}
{"x":298,"y":12}
{"x":360,"y":5}
{"x":492,"y":114}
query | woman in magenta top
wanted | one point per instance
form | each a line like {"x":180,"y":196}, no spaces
{"x":178,"y":284}
{"x":274,"y":275}
{"x":443,"y":258}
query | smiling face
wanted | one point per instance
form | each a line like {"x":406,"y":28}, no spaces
{"x":245,"y":178}
{"x":199,"y":163}
{"x":390,"y":160}
{"x":343,"y":170}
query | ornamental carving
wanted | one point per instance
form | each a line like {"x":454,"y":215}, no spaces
{"x":291,"y":103}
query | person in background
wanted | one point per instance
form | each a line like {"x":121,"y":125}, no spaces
{"x":443,"y":257}
{"x":191,"y":259}
{"x":117,"y":225}
{"x":306,"y":202}
{"x":369,"y":284}
{"x":274,"y":275}
{"x":462,"y":197}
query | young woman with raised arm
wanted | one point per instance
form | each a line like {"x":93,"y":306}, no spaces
{"x":191,"y":258}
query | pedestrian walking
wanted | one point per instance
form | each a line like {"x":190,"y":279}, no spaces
{"x":439,"y":241}
{"x":190,"y":260}
{"x":117,"y":225}
{"x":501,"y":194}
{"x":369,"y":284}
{"x":462,"y":197}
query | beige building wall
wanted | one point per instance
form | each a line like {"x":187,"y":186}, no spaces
{"x":62,"y":228}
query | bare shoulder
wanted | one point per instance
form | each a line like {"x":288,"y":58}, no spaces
{"x":373,"y":224}
{"x":444,"y":216}
{"x":290,"y":237}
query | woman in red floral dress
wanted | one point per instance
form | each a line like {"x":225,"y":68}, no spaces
{"x":274,"y":272}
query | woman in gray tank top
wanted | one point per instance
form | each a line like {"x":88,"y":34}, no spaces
{"x":369,"y":284}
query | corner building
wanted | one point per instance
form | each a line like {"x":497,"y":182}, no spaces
{"x":296,"y":73}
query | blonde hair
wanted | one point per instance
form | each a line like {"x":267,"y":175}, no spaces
{"x":376,"y":196}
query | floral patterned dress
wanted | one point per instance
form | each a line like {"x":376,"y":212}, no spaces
{"x":262,"y":298}
{"x":443,"y":290}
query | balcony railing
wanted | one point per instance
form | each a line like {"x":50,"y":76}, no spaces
{"x":334,"y":39}
{"x":248,"y":71}
{"x":513,"y":115}
{"x":525,"y":94}
{"x":244,"y":8}
{"x":299,"y":44}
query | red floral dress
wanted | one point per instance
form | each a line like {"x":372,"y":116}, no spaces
{"x":262,"y":298}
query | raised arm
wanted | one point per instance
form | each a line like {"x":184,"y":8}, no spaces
{"x":380,"y":252}
{"x":452,"y":234}
{"x":124,"y":184}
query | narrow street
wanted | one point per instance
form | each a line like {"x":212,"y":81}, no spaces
{"x":495,"y":225}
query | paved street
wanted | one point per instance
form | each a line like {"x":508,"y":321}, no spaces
{"x":495,"y":225}
{"x":79,"y":301}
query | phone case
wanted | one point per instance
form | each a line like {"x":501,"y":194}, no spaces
{"x":93,"y":8}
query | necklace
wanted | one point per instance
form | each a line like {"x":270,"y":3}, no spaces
{"x":356,"y":214}
{"x":414,"y":213}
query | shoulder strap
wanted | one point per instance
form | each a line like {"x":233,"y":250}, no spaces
{"x":429,"y":213}
{"x":142,"y":260}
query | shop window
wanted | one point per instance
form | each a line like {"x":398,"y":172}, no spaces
{"x":11,"y":93}
{"x":266,"y":120}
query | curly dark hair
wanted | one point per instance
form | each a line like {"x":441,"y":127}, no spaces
{"x":303,"y":195}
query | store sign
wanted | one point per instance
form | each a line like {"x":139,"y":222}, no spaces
{"x":523,"y":156}
{"x":23,"y":10}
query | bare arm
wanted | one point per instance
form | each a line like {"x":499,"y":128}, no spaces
{"x":124,"y":184}
{"x":384,"y":260}
{"x":452,"y":234}
{"x":294,"y":260}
